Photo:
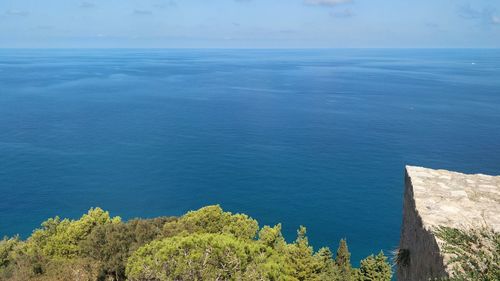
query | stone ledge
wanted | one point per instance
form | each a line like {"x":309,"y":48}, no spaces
{"x":452,"y":199}
{"x":434,"y":198}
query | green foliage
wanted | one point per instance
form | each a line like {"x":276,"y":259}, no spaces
{"x":272,"y":237}
{"x":7,"y":245}
{"x":343,"y":261}
{"x":374,"y":268}
{"x":207,"y":244}
{"x":213,"y":219}
{"x":25,"y":266}
{"x":206,"y":257}
{"x":61,"y":238}
{"x":328,"y":270}
{"x":475,"y":253}
{"x":112,"y":244}
{"x":300,"y":256}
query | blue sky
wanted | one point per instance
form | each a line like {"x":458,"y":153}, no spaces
{"x":249,"y":23}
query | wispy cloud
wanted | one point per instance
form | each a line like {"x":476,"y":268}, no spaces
{"x":142,"y":12}
{"x":495,"y":19}
{"x":468,"y":12}
{"x":86,"y":5}
{"x":16,"y":13}
{"x":44,"y":27}
{"x":346,"y":13}
{"x":432,"y":25}
{"x":485,"y":15}
{"x":170,"y":3}
{"x":326,"y":2}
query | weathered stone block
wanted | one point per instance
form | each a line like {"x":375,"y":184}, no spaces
{"x":435,"y":198}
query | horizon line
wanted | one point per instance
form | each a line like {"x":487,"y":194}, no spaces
{"x":235,"y":48}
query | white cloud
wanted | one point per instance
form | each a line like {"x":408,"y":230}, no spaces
{"x":485,"y":15}
{"x":16,"y":13}
{"x":495,"y":20}
{"x":326,"y":2}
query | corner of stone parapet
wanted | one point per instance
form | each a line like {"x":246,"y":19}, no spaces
{"x":417,"y":170}
{"x":446,"y":198}
{"x":441,"y":198}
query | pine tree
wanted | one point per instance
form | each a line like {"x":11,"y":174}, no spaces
{"x":375,"y":268}
{"x":328,"y":270}
{"x":300,"y":256}
{"x":343,"y":261}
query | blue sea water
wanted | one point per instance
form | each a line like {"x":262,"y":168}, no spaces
{"x":303,"y":137}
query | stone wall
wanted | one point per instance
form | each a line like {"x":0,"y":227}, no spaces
{"x":441,"y":198}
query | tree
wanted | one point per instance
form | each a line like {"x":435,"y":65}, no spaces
{"x":374,"y":268}
{"x":301,"y":259}
{"x":212,"y":219}
{"x":7,"y":247}
{"x":61,"y":238}
{"x":343,"y":261}
{"x":56,"y":246}
{"x":112,"y":244}
{"x":328,"y":269}
{"x":272,"y":237}
{"x":206,"y":257}
{"x":207,"y":244}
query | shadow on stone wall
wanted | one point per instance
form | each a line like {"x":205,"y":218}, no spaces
{"x":423,"y":260}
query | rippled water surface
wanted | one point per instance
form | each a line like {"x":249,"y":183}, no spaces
{"x":312,"y":137}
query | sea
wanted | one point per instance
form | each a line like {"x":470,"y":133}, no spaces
{"x":313,"y":137}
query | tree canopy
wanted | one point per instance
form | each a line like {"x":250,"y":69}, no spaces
{"x":206,"y":244}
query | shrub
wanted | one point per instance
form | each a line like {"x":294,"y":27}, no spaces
{"x":475,"y":253}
